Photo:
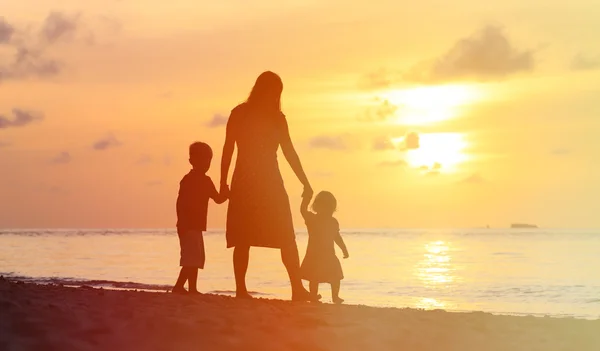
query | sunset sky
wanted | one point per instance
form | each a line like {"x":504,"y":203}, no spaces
{"x":414,"y":114}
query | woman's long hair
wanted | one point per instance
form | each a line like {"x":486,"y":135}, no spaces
{"x":266,"y":93}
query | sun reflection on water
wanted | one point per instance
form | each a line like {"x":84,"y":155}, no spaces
{"x":435,"y":270}
{"x":430,"y":304}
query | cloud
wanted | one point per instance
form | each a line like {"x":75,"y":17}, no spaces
{"x":432,"y":170}
{"x":412,"y":141}
{"x":52,"y":189}
{"x":148,"y":159}
{"x":560,"y":152}
{"x":6,"y":31}
{"x":59,"y":26}
{"x":30,"y":53}
{"x":397,"y":163}
{"x":217,"y":120}
{"x":474,"y":178}
{"x":145,"y":160}
{"x":166,"y":94}
{"x":328,"y":142}
{"x":383,"y":143}
{"x":106,"y":143}
{"x":486,"y":55}
{"x":585,"y":63}
{"x":381,"y":112}
{"x":62,"y":158}
{"x":20,"y":118}
{"x":380,"y":79}
{"x":322,"y":174}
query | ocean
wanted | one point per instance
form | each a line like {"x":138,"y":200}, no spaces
{"x":502,"y":271}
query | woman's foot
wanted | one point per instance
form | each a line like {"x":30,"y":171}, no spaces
{"x":243,"y":295}
{"x":178,"y":290}
{"x":194,"y":292}
{"x":302,"y":295}
{"x":337,"y":300}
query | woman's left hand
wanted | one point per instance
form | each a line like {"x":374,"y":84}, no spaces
{"x":308,"y":192}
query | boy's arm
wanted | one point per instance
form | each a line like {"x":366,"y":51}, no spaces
{"x":340,"y":242}
{"x":183,"y":198}
{"x":217,"y":197}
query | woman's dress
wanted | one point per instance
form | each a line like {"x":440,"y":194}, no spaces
{"x":259,"y":210}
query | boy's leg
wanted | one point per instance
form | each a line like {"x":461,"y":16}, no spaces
{"x":192,"y":275}
{"x":335,"y":292}
{"x":183,"y":277}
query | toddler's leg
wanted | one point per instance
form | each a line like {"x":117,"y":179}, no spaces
{"x":335,"y":292}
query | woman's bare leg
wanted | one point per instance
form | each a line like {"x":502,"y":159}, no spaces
{"x":291,"y":260}
{"x":241,"y":256}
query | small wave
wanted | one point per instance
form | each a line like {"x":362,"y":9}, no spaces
{"x":91,"y":283}
{"x":232,"y":292}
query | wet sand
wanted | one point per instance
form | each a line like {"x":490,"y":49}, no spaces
{"x":50,"y":317}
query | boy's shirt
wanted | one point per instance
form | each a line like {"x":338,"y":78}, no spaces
{"x":195,"y":189}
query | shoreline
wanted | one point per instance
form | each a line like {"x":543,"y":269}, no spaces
{"x":53,"y":317}
{"x":161,"y":289}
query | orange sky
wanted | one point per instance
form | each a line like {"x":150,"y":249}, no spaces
{"x":413,"y":114}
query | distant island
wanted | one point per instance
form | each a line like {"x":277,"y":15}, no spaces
{"x":523,"y":225}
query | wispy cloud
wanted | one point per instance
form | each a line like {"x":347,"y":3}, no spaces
{"x":412,"y":141}
{"x":379,"y":79}
{"x":486,"y":55}
{"x":149,"y":160}
{"x":560,"y":151}
{"x":329,"y":142}
{"x":474,"y":178}
{"x":59,"y":26}
{"x":30,"y":58}
{"x":382,"y":111}
{"x":20,"y":118}
{"x":323,"y":174}
{"x":62,"y":158}
{"x":585,"y":63}
{"x":396,"y":163}
{"x":383,"y":144}
{"x":6,"y":31}
{"x":106,"y":143}
{"x":217,"y":120}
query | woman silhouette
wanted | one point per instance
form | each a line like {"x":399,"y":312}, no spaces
{"x":259,"y":209}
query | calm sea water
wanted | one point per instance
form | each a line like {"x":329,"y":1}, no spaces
{"x":547,"y":272}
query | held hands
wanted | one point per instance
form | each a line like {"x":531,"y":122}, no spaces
{"x":224,"y":190}
{"x":308,"y":192}
{"x":346,"y":255}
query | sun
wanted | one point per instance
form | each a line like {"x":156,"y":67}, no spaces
{"x":437,"y":152}
{"x":430,"y":104}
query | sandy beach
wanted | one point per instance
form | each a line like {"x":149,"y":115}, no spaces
{"x":49,"y":317}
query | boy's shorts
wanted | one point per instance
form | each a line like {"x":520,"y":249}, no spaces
{"x":191,"y":243}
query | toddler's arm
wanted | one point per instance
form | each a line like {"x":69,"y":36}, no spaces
{"x":340,"y":242}
{"x":304,"y":207}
